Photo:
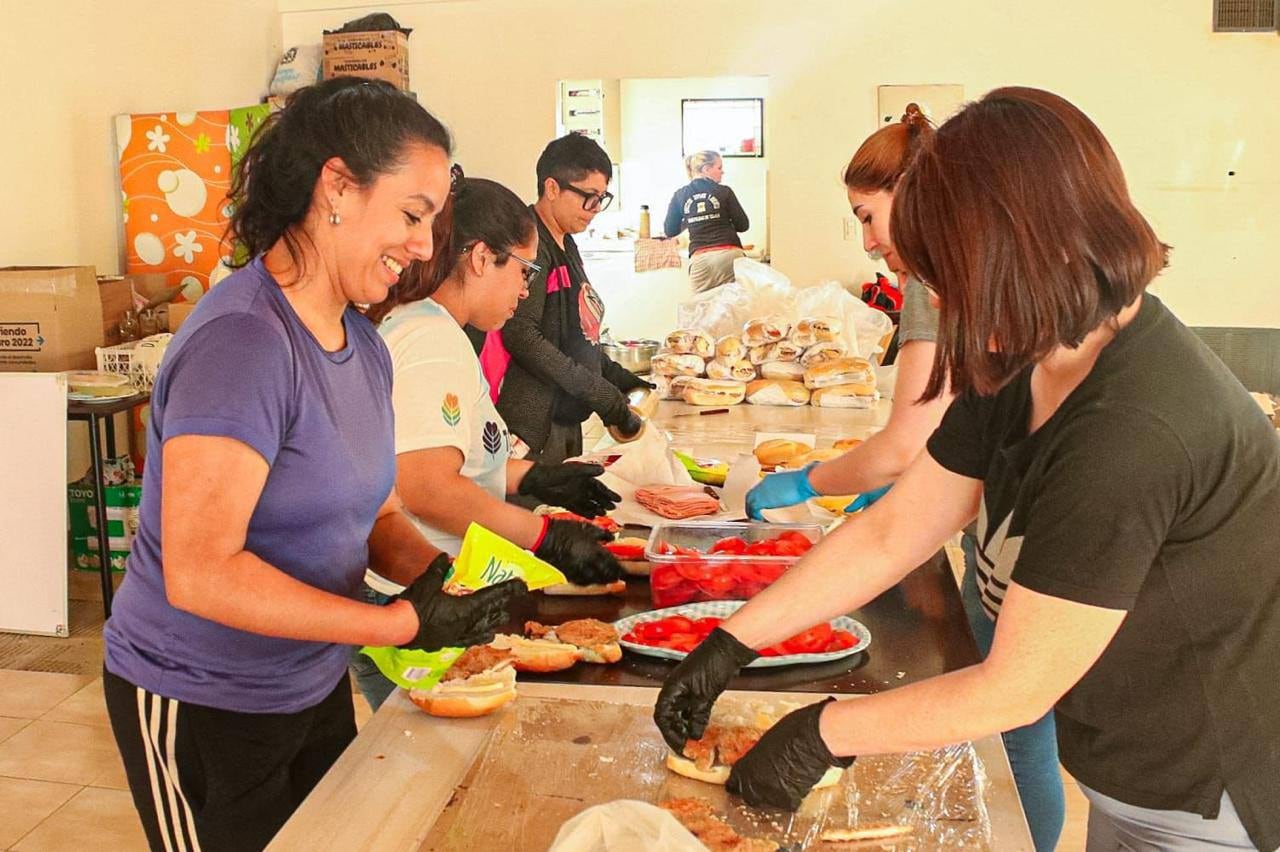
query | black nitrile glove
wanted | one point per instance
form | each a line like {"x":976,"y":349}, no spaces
{"x":684,"y":704}
{"x":629,"y":381}
{"x":570,"y":485}
{"x":625,"y":420}
{"x":575,"y":548}
{"x":456,"y":621}
{"x":789,"y":759}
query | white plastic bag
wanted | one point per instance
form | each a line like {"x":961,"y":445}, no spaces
{"x":771,"y":292}
{"x":864,"y":326}
{"x":625,"y":825}
{"x":299,"y":67}
{"x":719,"y":311}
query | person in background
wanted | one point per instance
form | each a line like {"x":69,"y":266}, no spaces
{"x":545,"y":367}
{"x":453,"y":460}
{"x":711,"y":212}
{"x":1127,"y":484}
{"x":269,"y":485}
{"x":870,"y":179}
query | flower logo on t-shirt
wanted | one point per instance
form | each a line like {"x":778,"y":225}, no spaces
{"x":492,"y":438}
{"x":450,"y":410}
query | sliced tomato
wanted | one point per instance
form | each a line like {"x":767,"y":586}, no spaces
{"x":664,"y":577}
{"x":665,"y":548}
{"x":685,"y":642}
{"x":654,"y":630}
{"x":704,"y":626}
{"x":797,"y":537}
{"x":681,"y":593}
{"x":732,"y":545}
{"x":634,"y":638}
{"x":765,"y":547}
{"x":718,"y":585}
{"x":692,"y":569}
{"x":773,"y":651}
{"x":769,"y":572}
{"x":811,"y":641}
{"x":679,"y":624}
{"x":607,"y":524}
{"x":844,"y":639}
{"x":627,"y":551}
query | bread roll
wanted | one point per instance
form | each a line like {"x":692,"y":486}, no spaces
{"x":791,"y":370}
{"x":719,"y":773}
{"x":844,"y":396}
{"x":846,"y":444}
{"x":714,"y":392}
{"x":673,"y":364}
{"x":820,"y":353}
{"x":718,"y":369}
{"x":825,"y":454}
{"x":536,"y":655}
{"x":811,"y":330}
{"x":763,"y":331}
{"x":759,"y":354}
{"x":743,"y":371}
{"x":778,"y":451}
{"x":730,"y":349}
{"x":617,"y":587}
{"x":691,"y":341}
{"x":476,"y":695}
{"x":840,"y":371}
{"x":777,"y":392}
{"x":785,"y":350}
{"x":703,"y":345}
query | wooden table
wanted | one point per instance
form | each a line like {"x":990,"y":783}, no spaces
{"x":392,"y":784}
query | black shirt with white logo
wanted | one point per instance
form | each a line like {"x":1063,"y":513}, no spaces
{"x":710,"y":211}
{"x":1155,"y":489}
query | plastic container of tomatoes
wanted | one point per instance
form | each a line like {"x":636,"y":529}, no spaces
{"x":699,"y":561}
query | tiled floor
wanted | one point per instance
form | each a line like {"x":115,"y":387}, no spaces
{"x":61,"y":781}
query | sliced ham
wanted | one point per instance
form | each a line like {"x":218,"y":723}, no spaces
{"x":677,"y":501}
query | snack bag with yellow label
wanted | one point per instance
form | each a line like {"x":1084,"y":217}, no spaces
{"x":485,"y":559}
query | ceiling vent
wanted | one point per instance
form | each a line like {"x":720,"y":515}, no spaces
{"x":1246,"y":16}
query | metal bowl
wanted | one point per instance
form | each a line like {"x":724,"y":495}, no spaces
{"x":632,"y":354}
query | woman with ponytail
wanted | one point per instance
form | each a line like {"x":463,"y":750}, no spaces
{"x":453,"y":460}
{"x":269,"y":486}
{"x":868,"y":469}
{"x":714,"y":217}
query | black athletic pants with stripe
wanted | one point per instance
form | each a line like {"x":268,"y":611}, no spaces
{"x":207,"y":780}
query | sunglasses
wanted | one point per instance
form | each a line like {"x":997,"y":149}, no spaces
{"x":531,"y":270}
{"x":592,"y":202}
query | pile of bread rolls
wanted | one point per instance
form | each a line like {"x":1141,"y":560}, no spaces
{"x":770,"y":362}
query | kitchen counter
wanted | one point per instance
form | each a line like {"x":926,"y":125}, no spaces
{"x":394,"y":782}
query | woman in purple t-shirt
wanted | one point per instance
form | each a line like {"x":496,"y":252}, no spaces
{"x":269,"y":487}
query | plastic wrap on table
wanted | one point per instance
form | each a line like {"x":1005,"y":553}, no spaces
{"x":550,"y":759}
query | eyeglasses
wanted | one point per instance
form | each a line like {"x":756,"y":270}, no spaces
{"x":592,"y":202}
{"x":531,"y":270}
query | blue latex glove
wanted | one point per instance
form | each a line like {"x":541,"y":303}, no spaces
{"x":780,"y":489}
{"x":866,"y":498}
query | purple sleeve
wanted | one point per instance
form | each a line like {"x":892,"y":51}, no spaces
{"x":233,"y":378}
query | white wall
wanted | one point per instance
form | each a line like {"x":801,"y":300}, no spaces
{"x":1181,"y":105}
{"x":68,"y":66}
{"x":652,"y":162}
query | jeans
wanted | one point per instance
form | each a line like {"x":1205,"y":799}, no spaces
{"x":1117,"y":827}
{"x":373,"y":684}
{"x":1033,"y":749}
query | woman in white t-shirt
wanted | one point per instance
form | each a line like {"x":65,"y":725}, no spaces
{"x":453,"y":450}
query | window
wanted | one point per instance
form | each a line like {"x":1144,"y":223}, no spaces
{"x":732,"y":126}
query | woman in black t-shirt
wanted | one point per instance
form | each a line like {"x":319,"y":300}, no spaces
{"x":1126,"y":490}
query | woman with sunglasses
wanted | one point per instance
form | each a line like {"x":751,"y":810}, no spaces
{"x":711,"y":212}
{"x":453,"y":459}
{"x":545,"y":366}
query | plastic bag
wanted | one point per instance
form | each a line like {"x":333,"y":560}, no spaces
{"x":719,"y":311}
{"x":485,"y":559}
{"x":771,"y":292}
{"x":864,"y":327}
{"x":625,"y":825}
{"x":298,"y":68}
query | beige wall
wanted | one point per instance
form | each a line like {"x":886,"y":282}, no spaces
{"x":1181,"y":105}
{"x":68,"y":66}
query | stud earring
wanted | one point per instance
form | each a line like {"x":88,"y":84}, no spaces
{"x":334,"y":218}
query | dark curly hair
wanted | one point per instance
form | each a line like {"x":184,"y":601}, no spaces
{"x":367,"y":123}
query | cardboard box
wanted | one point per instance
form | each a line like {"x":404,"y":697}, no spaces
{"x":178,"y":313}
{"x":122,"y":510}
{"x":381,"y":55}
{"x":117,"y":295}
{"x":84,"y":554}
{"x":50,"y":318}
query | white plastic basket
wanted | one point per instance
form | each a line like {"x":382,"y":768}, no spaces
{"x":127,"y":360}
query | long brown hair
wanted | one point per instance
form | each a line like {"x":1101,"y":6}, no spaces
{"x":1017,"y":215}
{"x":884,"y":155}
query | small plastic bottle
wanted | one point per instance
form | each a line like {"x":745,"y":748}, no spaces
{"x":644,"y":221}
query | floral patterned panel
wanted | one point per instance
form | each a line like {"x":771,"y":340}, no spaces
{"x":175,"y":171}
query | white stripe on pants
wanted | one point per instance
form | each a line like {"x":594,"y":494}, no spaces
{"x":173,"y":814}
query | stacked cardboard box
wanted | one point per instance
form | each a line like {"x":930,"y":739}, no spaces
{"x":381,"y":55}
{"x":122,"y":497}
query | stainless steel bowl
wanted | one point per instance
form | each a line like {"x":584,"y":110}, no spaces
{"x":632,"y":354}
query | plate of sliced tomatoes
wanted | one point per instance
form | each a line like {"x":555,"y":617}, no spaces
{"x":672,"y":633}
